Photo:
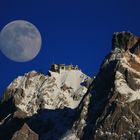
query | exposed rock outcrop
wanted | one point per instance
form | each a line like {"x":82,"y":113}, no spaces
{"x":25,"y":133}
{"x":115,"y":110}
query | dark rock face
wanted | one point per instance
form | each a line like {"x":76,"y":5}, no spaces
{"x":115,"y":110}
{"x":25,"y":133}
{"x":124,"y":40}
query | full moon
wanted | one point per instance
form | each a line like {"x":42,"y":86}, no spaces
{"x":20,"y":41}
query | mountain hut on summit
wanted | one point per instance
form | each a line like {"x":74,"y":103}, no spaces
{"x":61,"y":67}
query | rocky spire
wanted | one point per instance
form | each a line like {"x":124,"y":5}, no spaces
{"x":124,"y":40}
{"x":115,"y":113}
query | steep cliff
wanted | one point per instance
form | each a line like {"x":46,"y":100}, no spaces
{"x":114,"y":113}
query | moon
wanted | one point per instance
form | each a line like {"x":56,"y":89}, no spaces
{"x":20,"y":41}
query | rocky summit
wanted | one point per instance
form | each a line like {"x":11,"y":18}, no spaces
{"x":66,"y":104}
{"x":45,"y":103}
{"x":114,"y":112}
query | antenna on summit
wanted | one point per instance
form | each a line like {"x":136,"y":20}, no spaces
{"x":53,"y":60}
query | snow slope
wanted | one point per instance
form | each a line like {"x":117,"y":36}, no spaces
{"x":35,"y":91}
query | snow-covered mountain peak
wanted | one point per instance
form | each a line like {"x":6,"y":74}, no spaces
{"x":58,"y":89}
{"x":125,"y":56}
{"x":117,"y":89}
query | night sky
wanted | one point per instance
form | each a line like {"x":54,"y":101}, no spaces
{"x":73,"y":32}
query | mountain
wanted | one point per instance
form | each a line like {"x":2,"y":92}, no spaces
{"x":44,"y":104}
{"x":114,"y":112}
{"x":66,"y":104}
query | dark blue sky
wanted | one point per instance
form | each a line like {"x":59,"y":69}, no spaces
{"x":73,"y":31}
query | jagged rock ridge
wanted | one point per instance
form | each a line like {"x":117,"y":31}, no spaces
{"x":35,"y":91}
{"x":114,"y":113}
{"x":41,"y":101}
